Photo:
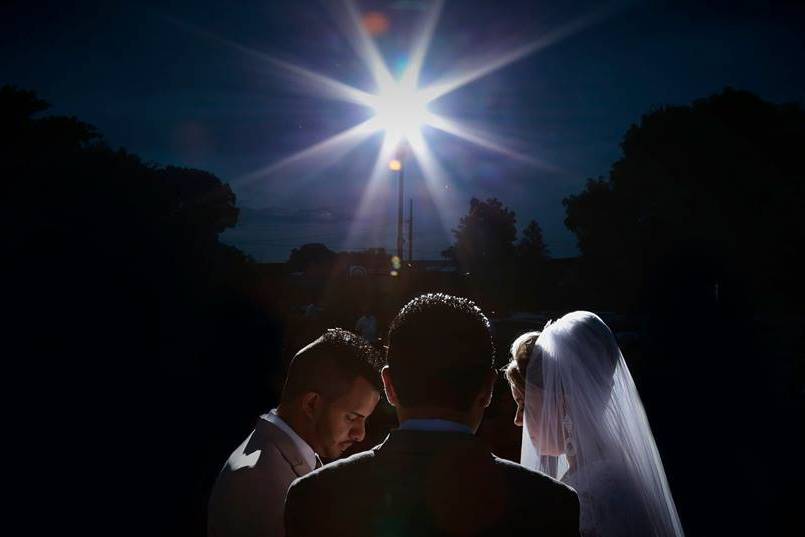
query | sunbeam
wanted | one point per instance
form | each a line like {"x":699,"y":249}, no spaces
{"x":337,"y":90}
{"x":369,"y":196}
{"x":365,"y":46}
{"x":483,"y":139}
{"x":334,"y":146}
{"x":452,"y":83}
{"x":315,"y":82}
{"x":436,"y":179}
{"x":401,"y":107}
{"x":410,"y":78}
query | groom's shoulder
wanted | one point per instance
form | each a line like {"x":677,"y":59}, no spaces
{"x":328,"y":483}
{"x":522,"y":477}
{"x":336,"y":470}
{"x":347,"y":464}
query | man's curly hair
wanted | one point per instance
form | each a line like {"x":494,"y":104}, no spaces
{"x":440,"y":351}
{"x":330,"y":364}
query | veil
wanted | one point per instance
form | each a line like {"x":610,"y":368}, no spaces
{"x":580,"y":400}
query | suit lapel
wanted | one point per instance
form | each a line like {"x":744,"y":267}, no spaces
{"x":284,"y":445}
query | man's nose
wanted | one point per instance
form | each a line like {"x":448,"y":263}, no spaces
{"x":358,"y":432}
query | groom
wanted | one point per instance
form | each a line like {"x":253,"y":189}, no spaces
{"x":331,"y":388}
{"x":433,"y":476}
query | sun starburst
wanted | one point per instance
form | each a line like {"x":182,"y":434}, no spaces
{"x":400,"y":111}
{"x":400,"y":106}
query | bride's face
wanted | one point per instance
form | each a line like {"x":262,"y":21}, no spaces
{"x":519,"y":399}
{"x":539,"y":424}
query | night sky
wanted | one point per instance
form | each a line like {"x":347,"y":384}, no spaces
{"x":185,"y":83}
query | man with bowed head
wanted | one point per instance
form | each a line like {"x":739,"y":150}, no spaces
{"x":432,"y":475}
{"x":332,"y":386}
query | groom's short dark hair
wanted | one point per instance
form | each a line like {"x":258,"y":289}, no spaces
{"x":440,"y":352}
{"x":330,"y":364}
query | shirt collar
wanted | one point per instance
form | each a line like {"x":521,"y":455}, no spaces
{"x":305,"y":450}
{"x":435,"y":424}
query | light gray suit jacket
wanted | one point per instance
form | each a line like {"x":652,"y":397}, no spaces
{"x":248,"y":497}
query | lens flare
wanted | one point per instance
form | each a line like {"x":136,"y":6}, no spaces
{"x":375,"y":23}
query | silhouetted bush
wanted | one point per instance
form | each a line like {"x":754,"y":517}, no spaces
{"x":138,"y":337}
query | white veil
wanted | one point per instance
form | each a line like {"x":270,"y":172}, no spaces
{"x":581,"y":400}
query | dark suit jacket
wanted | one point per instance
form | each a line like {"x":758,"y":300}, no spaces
{"x":249,"y":494}
{"x":429,"y":483}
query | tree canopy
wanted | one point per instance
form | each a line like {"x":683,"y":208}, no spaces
{"x":714,"y":188}
{"x":311,"y":258}
{"x":484,"y":237}
{"x":124,"y":306}
{"x":532,"y":248}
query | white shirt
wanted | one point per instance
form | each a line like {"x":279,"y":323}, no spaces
{"x":435,"y":424}
{"x":307,"y":452}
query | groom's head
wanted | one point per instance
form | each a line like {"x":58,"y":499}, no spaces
{"x":333,"y":385}
{"x":440,"y":359}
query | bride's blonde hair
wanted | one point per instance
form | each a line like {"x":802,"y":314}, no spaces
{"x":520,"y":355}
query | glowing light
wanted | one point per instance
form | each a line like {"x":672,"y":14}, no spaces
{"x":400,"y":106}
{"x":400,"y":110}
{"x":395,"y":165}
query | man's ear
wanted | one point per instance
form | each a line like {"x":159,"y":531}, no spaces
{"x":488,"y":389}
{"x":310,"y":404}
{"x":388,"y":386}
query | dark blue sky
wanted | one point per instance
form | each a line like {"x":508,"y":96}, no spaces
{"x":147,"y":76}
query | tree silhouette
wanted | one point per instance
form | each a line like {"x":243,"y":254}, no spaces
{"x":484,"y":238}
{"x":531,"y":249}
{"x":709,"y":192}
{"x":200,"y":198}
{"x":125,"y":309}
{"x":313,"y":258}
{"x":484,"y":250}
{"x":18,"y":106}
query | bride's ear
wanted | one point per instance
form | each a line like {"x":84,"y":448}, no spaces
{"x":388,"y":386}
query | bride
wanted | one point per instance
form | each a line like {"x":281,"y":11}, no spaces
{"x":583,"y":423}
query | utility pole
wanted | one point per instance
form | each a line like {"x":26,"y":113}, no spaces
{"x":411,"y":230}
{"x":397,"y":165}
{"x":400,"y":213}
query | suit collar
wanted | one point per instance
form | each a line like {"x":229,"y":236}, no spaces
{"x":302,"y":446}
{"x":426,"y":442}
{"x":285,"y":445}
